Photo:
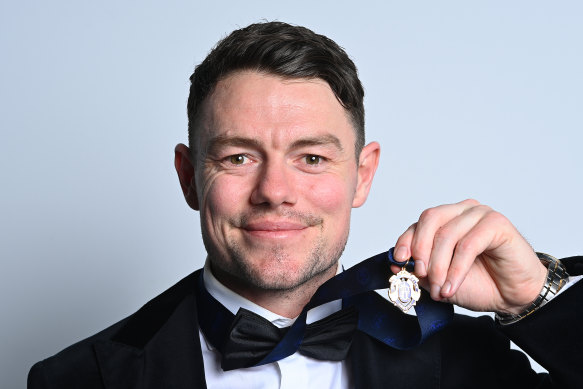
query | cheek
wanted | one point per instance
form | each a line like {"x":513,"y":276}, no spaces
{"x":331,"y":194}
{"x":221,"y":199}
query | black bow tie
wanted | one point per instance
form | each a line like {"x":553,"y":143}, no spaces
{"x":246,"y":339}
{"x":252,"y":338}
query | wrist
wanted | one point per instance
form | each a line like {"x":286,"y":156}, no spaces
{"x":556,"y":277}
{"x":532,"y":290}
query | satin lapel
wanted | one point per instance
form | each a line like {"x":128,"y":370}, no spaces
{"x":159,"y":347}
{"x":375,"y":365}
{"x":121,"y":366}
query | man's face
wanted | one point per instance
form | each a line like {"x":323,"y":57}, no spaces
{"x":276,"y":177}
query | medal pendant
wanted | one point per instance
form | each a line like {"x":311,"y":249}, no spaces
{"x":404,"y":290}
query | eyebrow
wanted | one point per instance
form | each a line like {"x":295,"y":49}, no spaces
{"x":220,"y":141}
{"x":324,"y":140}
{"x":216,"y":143}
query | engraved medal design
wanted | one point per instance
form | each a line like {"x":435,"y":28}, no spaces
{"x":404,"y":289}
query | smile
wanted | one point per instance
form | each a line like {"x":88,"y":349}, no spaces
{"x":274,"y":229}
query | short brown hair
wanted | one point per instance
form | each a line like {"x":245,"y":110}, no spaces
{"x":283,"y":50}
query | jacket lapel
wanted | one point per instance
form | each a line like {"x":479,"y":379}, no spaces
{"x":158,"y":347}
{"x":121,"y":366}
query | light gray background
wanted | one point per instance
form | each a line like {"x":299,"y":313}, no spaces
{"x":468,"y":99}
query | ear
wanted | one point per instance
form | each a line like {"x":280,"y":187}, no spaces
{"x":185,"y":169}
{"x":367,"y":166}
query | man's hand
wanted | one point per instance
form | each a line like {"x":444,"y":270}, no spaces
{"x":472,"y":256}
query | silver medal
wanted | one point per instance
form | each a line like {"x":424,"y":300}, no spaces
{"x":404,"y":290}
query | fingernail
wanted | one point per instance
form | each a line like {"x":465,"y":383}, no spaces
{"x":446,"y":288}
{"x":401,"y":253}
{"x":420,"y":268}
{"x":435,"y":291}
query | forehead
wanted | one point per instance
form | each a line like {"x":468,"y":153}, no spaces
{"x":260,"y":103}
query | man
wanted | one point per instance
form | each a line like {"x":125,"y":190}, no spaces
{"x":275,"y":163}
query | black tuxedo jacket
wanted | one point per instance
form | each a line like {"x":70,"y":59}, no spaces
{"x":158,"y":347}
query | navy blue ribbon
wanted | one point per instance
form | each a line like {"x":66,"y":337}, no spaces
{"x":376,"y":316}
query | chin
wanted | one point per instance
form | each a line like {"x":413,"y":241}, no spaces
{"x":277,"y":276}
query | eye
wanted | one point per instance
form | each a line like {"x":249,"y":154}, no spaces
{"x":237,"y":159}
{"x":312,"y":159}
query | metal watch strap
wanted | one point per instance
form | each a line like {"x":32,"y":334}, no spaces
{"x":557,"y":277}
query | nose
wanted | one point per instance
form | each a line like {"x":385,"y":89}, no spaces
{"x":274,"y":185}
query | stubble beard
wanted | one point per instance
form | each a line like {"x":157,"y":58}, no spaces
{"x":277,"y":277}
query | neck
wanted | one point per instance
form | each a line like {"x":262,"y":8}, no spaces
{"x":283,"y":302}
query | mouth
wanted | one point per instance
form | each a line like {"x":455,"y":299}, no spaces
{"x":274,"y":229}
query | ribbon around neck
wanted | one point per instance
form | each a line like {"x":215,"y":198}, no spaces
{"x":377,"y":317}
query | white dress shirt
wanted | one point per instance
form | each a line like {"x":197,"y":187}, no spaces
{"x":294,"y":372}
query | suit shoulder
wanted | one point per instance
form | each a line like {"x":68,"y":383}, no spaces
{"x":78,"y":360}
{"x":78,"y":363}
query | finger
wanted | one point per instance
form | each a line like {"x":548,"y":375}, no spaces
{"x":429,"y":222}
{"x":479,"y":239}
{"x":403,"y":247}
{"x":445,"y":241}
